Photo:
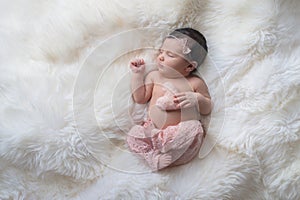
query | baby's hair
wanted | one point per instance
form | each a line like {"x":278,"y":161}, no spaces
{"x":198,"y":53}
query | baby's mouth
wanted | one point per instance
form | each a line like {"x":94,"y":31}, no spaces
{"x":160,"y":66}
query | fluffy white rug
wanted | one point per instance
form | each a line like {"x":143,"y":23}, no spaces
{"x":65,"y":101}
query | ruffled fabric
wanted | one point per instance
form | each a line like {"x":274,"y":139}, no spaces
{"x":174,"y":145}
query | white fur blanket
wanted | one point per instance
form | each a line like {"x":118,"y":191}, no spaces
{"x":65,"y":100}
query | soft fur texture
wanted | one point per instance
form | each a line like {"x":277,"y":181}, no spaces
{"x":66,"y":106}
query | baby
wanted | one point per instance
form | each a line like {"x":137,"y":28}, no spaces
{"x":172,"y":135}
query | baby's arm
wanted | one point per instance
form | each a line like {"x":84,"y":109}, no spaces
{"x":200,"y":97}
{"x":203,"y":97}
{"x":141,"y":89}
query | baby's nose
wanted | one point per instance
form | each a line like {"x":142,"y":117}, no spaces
{"x":161,"y":58}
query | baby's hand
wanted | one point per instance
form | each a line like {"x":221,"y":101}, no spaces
{"x":166,"y":102}
{"x":186,"y":99}
{"x":137,"y":66}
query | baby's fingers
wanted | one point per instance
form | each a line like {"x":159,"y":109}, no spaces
{"x":133,"y":64}
{"x":137,"y":62}
{"x":184,"y":104}
{"x":141,"y":62}
{"x":178,"y":99}
{"x":181,"y":94}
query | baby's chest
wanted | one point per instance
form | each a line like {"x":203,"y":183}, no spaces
{"x":173,"y":86}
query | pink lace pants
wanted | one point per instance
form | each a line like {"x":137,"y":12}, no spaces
{"x":174,"y":145}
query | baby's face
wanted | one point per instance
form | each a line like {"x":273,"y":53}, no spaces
{"x":171,"y":59}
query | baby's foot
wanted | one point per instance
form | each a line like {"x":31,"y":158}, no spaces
{"x":163,"y":161}
{"x":160,"y":161}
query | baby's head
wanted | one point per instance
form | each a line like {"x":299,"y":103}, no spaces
{"x":188,"y":45}
{"x":196,"y":42}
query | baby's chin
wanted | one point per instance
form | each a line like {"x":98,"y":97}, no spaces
{"x":168,"y":74}
{"x":162,"y":69}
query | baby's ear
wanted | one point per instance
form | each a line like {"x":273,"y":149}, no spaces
{"x":192,"y":66}
{"x":194,"y":63}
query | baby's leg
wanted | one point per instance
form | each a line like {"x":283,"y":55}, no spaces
{"x":174,"y":145}
{"x":193,"y":133}
{"x":191,"y":152}
{"x":139,"y":145}
{"x":142,"y":145}
{"x":137,"y":140}
{"x":181,"y":142}
{"x":157,"y":160}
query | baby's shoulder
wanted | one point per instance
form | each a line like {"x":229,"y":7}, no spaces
{"x":154,"y":74}
{"x":195,"y":79}
{"x":197,"y":82}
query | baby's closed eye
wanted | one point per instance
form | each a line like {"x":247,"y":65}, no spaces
{"x":168,"y":53}
{"x":171,"y":54}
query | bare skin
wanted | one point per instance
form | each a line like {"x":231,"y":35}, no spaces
{"x":191,"y":98}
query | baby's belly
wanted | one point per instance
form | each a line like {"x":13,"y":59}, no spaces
{"x":162,"y":119}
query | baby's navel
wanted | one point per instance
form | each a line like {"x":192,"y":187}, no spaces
{"x":158,"y":116}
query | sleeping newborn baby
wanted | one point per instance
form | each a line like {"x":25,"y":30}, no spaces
{"x":172,"y":135}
